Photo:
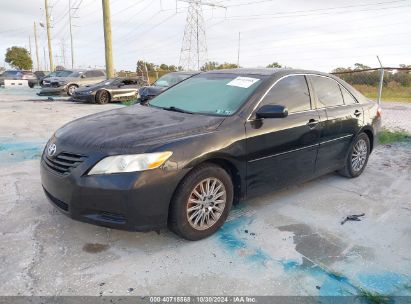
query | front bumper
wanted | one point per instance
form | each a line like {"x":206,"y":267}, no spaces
{"x":88,"y":98}
{"x":47,"y":91}
{"x":136,"y":201}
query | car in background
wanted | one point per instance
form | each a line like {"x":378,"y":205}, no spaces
{"x":204,"y":144}
{"x":67,"y":81}
{"x":164,"y":82}
{"x":111,"y":90}
{"x":41,"y":75}
{"x":19,"y":75}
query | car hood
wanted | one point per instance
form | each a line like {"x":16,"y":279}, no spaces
{"x":123,"y":130}
{"x":93,"y":88}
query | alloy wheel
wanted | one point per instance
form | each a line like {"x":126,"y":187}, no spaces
{"x":359,"y":155}
{"x":206,"y":203}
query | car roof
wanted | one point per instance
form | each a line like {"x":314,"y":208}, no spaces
{"x":265,"y":71}
{"x":184,"y":73}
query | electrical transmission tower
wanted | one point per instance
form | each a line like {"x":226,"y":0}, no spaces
{"x":194,"y":47}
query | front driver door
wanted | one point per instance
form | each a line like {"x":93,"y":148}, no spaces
{"x":283,"y":150}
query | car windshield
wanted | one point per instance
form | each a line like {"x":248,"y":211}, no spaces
{"x":215,"y":94}
{"x":170,"y":79}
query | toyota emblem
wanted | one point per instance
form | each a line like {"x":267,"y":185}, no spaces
{"x":51,"y":150}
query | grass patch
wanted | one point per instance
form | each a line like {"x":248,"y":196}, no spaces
{"x":373,"y":297}
{"x":388,"y":137}
{"x":389,"y":93}
{"x":129,"y":102}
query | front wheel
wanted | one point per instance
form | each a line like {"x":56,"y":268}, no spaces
{"x":71,"y":88}
{"x":357,"y":157}
{"x":201,"y":203}
{"x":102,"y":97}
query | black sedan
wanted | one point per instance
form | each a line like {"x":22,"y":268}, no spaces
{"x":205,"y":144}
{"x":111,"y":90}
{"x":164,"y":82}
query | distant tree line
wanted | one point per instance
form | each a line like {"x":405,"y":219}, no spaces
{"x":356,"y":75}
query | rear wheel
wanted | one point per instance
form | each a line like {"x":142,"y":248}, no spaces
{"x":357,"y":157}
{"x":31,"y":85}
{"x":71,"y":88}
{"x":201,"y":203}
{"x":102,"y":97}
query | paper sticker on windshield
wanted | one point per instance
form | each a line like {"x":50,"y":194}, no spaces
{"x":243,"y":82}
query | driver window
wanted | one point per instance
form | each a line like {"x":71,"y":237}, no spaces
{"x":292,"y":92}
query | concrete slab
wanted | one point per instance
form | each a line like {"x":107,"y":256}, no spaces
{"x":288,"y":243}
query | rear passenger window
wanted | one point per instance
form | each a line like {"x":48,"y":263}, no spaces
{"x":327,"y":90}
{"x":291,"y":92}
{"x":348,"y":98}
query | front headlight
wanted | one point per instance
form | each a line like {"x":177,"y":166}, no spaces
{"x":130,"y":163}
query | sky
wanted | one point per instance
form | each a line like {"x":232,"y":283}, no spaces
{"x":316,"y":34}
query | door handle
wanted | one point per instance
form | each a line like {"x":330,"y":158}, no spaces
{"x":357,"y":113}
{"x":312,"y":123}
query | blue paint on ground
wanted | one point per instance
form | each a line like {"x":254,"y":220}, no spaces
{"x":17,"y":151}
{"x":387,"y":283}
{"x":233,"y":238}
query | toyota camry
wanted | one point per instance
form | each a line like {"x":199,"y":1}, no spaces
{"x":204,"y":144}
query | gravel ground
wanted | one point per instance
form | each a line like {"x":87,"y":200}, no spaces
{"x":397,"y":115}
{"x":287,"y":243}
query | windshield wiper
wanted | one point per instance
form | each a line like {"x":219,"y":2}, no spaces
{"x":175,"y":109}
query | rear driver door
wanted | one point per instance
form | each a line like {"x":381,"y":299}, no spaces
{"x":344,"y":118}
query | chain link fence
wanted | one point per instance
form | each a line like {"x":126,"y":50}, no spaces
{"x":395,"y":85}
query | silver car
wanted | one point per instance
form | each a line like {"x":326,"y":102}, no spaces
{"x":69,"y":80}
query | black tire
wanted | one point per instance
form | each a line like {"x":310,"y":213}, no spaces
{"x":102,"y":97}
{"x":31,"y":85}
{"x":178,"y":221}
{"x":71,"y":88}
{"x":349,"y":170}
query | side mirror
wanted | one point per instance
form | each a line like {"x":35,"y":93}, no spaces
{"x":83,"y":76}
{"x":272,"y":111}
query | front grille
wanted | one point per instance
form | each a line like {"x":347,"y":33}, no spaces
{"x":64,"y":162}
{"x":112,"y":217}
{"x":57,"y":202}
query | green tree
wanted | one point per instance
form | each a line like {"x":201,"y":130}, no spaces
{"x":274,"y":65}
{"x":213,"y":65}
{"x":360,"y":66}
{"x":164,"y":67}
{"x":18,"y":57}
{"x":208,"y":66}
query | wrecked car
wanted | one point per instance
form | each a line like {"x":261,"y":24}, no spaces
{"x":111,"y":90}
{"x":67,"y":81}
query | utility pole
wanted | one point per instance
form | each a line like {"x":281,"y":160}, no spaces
{"x":49,"y":34}
{"x":37,"y":46}
{"x":238,"y":55}
{"x":45,"y":60}
{"x":31,"y":54}
{"x":71,"y":37}
{"x":63,"y":53}
{"x":194,"y":47}
{"x":107,"y":39}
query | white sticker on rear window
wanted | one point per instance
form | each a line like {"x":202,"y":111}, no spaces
{"x":243,"y":82}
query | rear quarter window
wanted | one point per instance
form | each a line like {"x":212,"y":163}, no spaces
{"x":348,"y":98}
{"x":327,"y":90}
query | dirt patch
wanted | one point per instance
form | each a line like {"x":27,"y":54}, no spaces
{"x":95,"y":247}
